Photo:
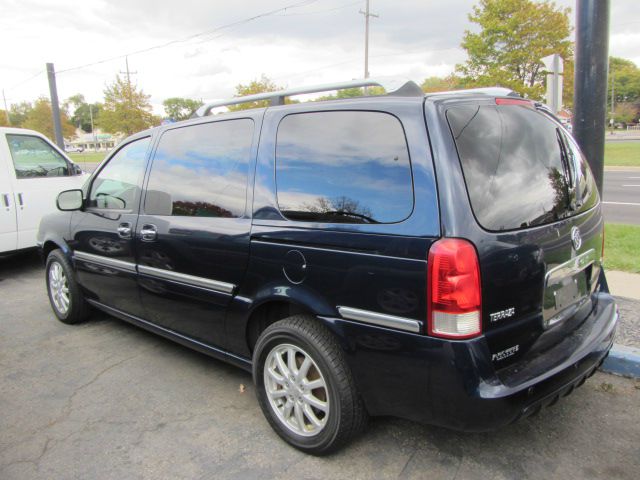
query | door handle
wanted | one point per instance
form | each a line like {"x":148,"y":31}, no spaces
{"x":20,"y":202}
{"x":149,"y":232}
{"x":124,"y":230}
{"x":6,"y":200}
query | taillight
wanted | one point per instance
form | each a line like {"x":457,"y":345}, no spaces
{"x":453,"y":290}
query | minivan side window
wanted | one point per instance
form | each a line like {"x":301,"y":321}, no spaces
{"x":33,"y":157}
{"x":117,"y":186}
{"x":201,"y":170}
{"x":343,"y":167}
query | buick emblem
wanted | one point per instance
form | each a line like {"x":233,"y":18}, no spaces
{"x":576,"y":238}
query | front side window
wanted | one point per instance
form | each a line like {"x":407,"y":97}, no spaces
{"x":33,"y":157}
{"x":118,"y":184}
{"x":201,"y":170}
{"x":343,"y":167}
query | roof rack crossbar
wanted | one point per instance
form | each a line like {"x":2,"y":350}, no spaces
{"x":393,"y":86}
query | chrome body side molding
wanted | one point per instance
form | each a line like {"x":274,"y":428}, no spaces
{"x":188,"y":279}
{"x":105,"y":261}
{"x":380,"y":319}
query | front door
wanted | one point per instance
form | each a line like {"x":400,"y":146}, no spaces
{"x":103,"y":233}
{"x":193,"y":231}
{"x":38,"y":173}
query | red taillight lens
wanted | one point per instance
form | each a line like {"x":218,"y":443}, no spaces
{"x":453,"y":290}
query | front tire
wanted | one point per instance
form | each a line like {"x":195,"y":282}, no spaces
{"x":65,"y":295}
{"x":304,"y":386}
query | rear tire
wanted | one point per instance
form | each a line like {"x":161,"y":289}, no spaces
{"x":65,"y":296}
{"x":304,"y":386}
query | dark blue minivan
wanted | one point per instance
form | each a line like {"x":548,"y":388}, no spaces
{"x":436,"y":258}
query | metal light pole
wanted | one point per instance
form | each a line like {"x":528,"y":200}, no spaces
{"x":55,"y":109}
{"x":590,"y":87}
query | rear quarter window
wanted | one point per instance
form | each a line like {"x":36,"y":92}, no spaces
{"x":518,"y":170}
{"x":343,"y":167}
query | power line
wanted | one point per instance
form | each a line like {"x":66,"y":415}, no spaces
{"x":191,"y":37}
{"x":318,"y":12}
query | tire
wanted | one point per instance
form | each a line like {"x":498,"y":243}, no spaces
{"x":61,"y":285}
{"x":326,"y":391}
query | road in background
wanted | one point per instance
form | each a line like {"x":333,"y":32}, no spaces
{"x":622,"y":196}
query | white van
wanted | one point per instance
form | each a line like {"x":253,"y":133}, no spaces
{"x":32,"y":173}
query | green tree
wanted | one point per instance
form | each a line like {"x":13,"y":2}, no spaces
{"x":178,"y":108}
{"x":126,"y":109}
{"x":514,"y":35}
{"x":40,"y":119}
{"x":19,"y":112}
{"x":81,"y":112}
{"x":262,"y":85}
{"x":3,"y":118}
{"x":626,"y":80}
{"x":625,"y":113}
{"x":442,"y":84}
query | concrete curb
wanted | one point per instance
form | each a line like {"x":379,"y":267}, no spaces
{"x":623,"y":361}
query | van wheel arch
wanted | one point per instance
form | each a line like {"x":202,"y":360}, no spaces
{"x":268,"y":313}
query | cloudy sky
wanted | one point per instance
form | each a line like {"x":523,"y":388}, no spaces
{"x":310,"y":42}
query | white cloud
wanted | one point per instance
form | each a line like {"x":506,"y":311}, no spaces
{"x":313,"y":44}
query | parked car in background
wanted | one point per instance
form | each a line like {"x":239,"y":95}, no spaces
{"x":32,"y":173}
{"x":436,"y":258}
{"x":73,"y":149}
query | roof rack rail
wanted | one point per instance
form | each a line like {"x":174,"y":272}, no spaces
{"x":493,"y":91}
{"x":393,"y":86}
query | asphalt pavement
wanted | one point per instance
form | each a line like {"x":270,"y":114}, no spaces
{"x":106,"y":400}
{"x":621,"y":198}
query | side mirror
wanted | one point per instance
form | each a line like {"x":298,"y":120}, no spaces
{"x":70,"y":200}
{"x":75,"y":169}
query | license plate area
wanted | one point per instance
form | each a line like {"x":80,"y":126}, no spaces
{"x":567,"y":288}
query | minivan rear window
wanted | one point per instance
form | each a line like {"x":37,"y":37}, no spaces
{"x":521,"y":168}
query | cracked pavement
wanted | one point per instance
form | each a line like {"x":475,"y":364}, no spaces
{"x":106,"y":400}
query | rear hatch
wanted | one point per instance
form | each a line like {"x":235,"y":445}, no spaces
{"x":540,"y":237}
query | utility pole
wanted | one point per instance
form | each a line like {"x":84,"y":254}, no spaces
{"x":128,"y":74}
{"x":367,"y":15}
{"x":93,"y":131}
{"x":55,"y":109}
{"x":6,"y":110}
{"x":590,"y":92}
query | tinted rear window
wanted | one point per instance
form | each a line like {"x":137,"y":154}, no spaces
{"x":519,"y":167}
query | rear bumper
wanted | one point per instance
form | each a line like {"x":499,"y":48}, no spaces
{"x":454,"y":383}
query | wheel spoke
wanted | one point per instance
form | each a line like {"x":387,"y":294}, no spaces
{"x":284,"y":371}
{"x":277,"y":378}
{"x":304,"y":368}
{"x":315,"y":402}
{"x":278,"y":393}
{"x":299,"y":416}
{"x":286,"y":411}
{"x":291,"y":361}
{"x":311,"y":415}
{"x":313,"y":384}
